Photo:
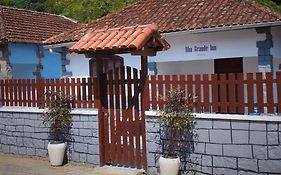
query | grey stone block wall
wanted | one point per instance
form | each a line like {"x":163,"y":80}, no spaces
{"x":226,"y":147}
{"x":23,"y":133}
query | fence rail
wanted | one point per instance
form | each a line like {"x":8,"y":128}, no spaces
{"x":224,"y":93}
{"x":33,"y":92}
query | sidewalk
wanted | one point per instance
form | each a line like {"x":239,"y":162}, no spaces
{"x":13,"y":165}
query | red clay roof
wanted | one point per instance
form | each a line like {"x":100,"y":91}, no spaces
{"x":179,"y":15}
{"x":17,"y":25}
{"x":122,"y":39}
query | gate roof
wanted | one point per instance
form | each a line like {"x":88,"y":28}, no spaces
{"x":133,"y":39}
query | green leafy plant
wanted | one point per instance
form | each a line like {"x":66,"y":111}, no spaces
{"x":177,"y":116}
{"x":57,"y":115}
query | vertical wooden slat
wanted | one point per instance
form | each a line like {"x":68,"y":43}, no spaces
{"x":28,"y":88}
{"x":24,"y":92}
{"x":84,"y":93}
{"x":198,"y":92}
{"x":78,"y":96}
{"x":259,"y":92}
{"x":106,"y":118}
{"x":2,"y":93}
{"x":160,"y":91}
{"x":206,"y":102}
{"x":190,"y":86}
{"x":240,"y":86}
{"x":130,"y":115}
{"x":20,"y":92}
{"x":16,"y":100}
{"x":10,"y":83}
{"x":5,"y":93}
{"x":94,"y":90}
{"x":278,"y":88}
{"x":174,"y":82}
{"x":167,"y":85}
{"x":182,"y":82}
{"x":47,"y":90}
{"x":214,"y":92}
{"x":33,"y":93}
{"x":232,"y":92}
{"x":118,"y":119}
{"x":153,"y":92}
{"x":90,"y":92}
{"x":143,"y":81}
{"x":223,"y":93}
{"x":52,"y":84}
{"x":137,"y":119}
{"x":57,"y":85}
{"x":112,"y":117}
{"x":250,"y":92}
{"x":124,"y":116}
{"x":269,"y":92}
{"x":73,"y":93}
{"x":67,"y":86}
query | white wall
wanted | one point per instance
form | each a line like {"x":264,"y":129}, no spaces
{"x":186,"y":67}
{"x":229,"y":44}
{"x":250,"y":64}
{"x":79,"y":65}
{"x":238,"y":43}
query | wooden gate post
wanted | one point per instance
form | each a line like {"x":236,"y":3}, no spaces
{"x":99,"y":98}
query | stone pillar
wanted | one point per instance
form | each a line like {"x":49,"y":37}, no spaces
{"x":265,"y":59}
{"x":64,"y":63}
{"x":5,"y":66}
{"x":39,"y":66}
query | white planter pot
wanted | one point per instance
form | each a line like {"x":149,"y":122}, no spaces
{"x":169,"y":166}
{"x":56,"y":153}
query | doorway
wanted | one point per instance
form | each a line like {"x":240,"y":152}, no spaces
{"x":227,"y":71}
{"x":228,"y":65}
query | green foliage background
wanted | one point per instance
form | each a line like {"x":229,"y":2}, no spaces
{"x":79,"y":10}
{"x":87,"y":10}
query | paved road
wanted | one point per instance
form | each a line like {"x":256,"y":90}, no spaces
{"x":12,"y":165}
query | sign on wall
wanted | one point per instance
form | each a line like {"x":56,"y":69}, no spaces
{"x":200,"y":48}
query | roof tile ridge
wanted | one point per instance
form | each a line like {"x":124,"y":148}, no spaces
{"x":37,"y":12}
{"x":264,"y":8}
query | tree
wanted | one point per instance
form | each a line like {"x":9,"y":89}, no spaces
{"x":86,"y":10}
{"x":37,"y":5}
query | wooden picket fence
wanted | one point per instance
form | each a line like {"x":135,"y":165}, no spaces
{"x":32,"y":93}
{"x":224,"y":93}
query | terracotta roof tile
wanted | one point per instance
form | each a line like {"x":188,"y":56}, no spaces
{"x":17,"y":25}
{"x":124,"y":39}
{"x":179,"y":15}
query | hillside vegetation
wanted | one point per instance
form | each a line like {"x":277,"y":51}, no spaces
{"x":87,"y":10}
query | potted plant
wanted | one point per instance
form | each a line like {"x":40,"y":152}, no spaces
{"x":175,"y":118}
{"x":58,"y":118}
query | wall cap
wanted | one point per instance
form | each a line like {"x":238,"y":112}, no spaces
{"x":271,"y":118}
{"x":37,"y":110}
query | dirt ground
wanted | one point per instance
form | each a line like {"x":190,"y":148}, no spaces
{"x":15,"y":165}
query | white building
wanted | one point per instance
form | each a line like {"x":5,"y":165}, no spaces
{"x":205,"y":38}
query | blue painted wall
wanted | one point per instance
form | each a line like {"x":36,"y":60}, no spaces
{"x":23,"y":59}
{"x":51,"y":65}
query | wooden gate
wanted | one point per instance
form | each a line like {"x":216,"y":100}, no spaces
{"x":124,"y":119}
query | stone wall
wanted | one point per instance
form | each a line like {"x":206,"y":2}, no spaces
{"x":226,"y":146}
{"x":22,"y":133}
